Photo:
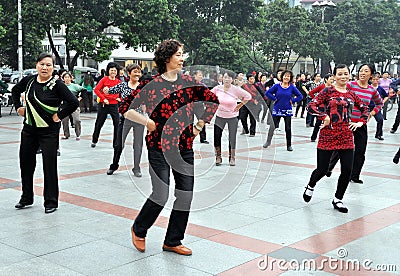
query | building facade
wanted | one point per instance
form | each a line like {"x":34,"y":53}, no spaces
{"x":122,"y":55}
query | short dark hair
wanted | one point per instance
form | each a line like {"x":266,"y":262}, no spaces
{"x":165,"y":50}
{"x":132,"y":66}
{"x":250,"y":76}
{"x":370,"y":66}
{"x":327,"y":76}
{"x":290,"y":73}
{"x":45,"y":55}
{"x":315,"y":74}
{"x":340,"y":66}
{"x":376,"y":75}
{"x":229,"y":73}
{"x":112,"y":65}
{"x":67,"y":73}
{"x":197,"y":72}
{"x":276,"y":74}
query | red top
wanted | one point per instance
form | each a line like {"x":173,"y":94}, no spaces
{"x":338,"y":106}
{"x":316,"y":90}
{"x":112,"y":98}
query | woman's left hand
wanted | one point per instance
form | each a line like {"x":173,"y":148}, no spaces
{"x":354,"y":126}
{"x":195,"y":132}
{"x":55,"y":118}
{"x":370,"y":115}
{"x":238,"y":107}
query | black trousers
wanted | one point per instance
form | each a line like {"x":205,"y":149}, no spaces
{"x":118,"y":147}
{"x":88,"y":101}
{"x":203,"y":134}
{"x":184,"y":181}
{"x":102,"y":111}
{"x":316,"y":129}
{"x":48,"y":140}
{"x":346,"y":163}
{"x":288,"y":129}
{"x":301,"y":104}
{"x":360,"y":147}
{"x":397,"y":119}
{"x":248,"y":111}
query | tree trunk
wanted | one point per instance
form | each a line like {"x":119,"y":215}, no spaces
{"x":255,"y":60}
{"x":67,"y":49}
{"x":295,"y":62}
{"x":287,"y":60}
{"x":53,"y":48}
{"x":71,"y":65}
{"x":354,"y":67}
{"x":280,"y":62}
{"x":388,"y":64}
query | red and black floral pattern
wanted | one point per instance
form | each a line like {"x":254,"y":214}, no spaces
{"x":338,"y":106}
{"x":170,"y":105}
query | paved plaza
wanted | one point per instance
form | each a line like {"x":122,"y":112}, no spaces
{"x":246,"y":220}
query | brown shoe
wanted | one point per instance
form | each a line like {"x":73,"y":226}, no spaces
{"x":180,"y":249}
{"x":139,"y":243}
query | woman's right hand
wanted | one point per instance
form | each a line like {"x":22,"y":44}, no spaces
{"x":151,"y":125}
{"x":325,"y":122}
{"x":21,"y":111}
{"x":106,"y":89}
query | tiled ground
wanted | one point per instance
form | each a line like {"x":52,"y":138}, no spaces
{"x":246,"y":220}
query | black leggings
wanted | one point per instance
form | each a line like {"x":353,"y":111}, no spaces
{"x":346,"y":164}
{"x":102,"y":111}
{"x":288,"y":129}
{"x":301,"y":104}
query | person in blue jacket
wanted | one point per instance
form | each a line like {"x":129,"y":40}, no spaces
{"x":283,"y":94}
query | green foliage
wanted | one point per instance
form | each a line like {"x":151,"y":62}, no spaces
{"x":84,"y":23}
{"x":364,"y":31}
{"x":216,"y":32}
{"x":2,"y":29}
{"x":235,"y":34}
{"x":224,"y":47}
{"x":284,"y":31}
{"x":9,"y":42}
{"x":146,"y":23}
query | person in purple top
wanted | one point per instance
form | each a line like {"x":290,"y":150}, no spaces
{"x":283,"y":95}
{"x":378,"y":116}
{"x":385,"y":82}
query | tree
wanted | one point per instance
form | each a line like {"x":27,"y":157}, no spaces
{"x":2,"y":30}
{"x":224,"y":47}
{"x":371,"y":36}
{"x":286,"y":32}
{"x":204,"y":23}
{"x":9,"y":43}
{"x":146,"y":23}
{"x":84,"y":23}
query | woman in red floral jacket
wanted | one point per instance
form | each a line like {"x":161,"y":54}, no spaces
{"x":169,"y":99}
{"x":336,"y":132}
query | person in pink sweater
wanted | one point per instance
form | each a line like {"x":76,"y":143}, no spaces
{"x":227,"y":113}
{"x":108,"y":103}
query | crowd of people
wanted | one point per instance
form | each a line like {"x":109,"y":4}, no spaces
{"x":174,"y":107}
